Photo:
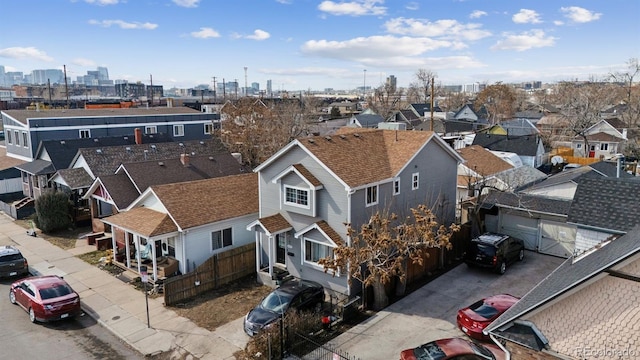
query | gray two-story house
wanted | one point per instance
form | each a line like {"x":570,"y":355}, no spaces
{"x":313,"y":186}
{"x":25,"y":129}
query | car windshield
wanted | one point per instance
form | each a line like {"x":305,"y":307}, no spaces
{"x":484,"y":310}
{"x":429,"y":351}
{"x":481,"y":350}
{"x":487,"y":250}
{"x":54,"y":292}
{"x":276,"y":302}
{"x":10,"y":257}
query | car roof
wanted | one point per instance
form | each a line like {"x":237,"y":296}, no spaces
{"x":8,"y":249}
{"x":297,"y":285}
{"x":490,"y":238}
{"x":502,"y":301}
{"x":46,"y":281}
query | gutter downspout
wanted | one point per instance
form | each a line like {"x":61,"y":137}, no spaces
{"x":502,"y":347}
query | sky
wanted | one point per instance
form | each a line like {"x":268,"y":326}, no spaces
{"x":314,"y":44}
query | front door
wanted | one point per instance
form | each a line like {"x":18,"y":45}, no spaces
{"x":281,"y":245}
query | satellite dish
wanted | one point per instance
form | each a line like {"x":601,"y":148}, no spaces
{"x":557,"y":160}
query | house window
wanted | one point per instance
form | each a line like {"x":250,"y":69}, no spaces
{"x":604,"y":147}
{"x":9,"y":139}
{"x":178,"y":130}
{"x":17,"y":135}
{"x":104,"y":209}
{"x":396,"y":186}
{"x":415,"y":181}
{"x":314,"y":251}
{"x":372,"y":195}
{"x":171,"y":246}
{"x":208,"y":129}
{"x":221,"y":239}
{"x":25,"y":143}
{"x":151,"y":129}
{"x":85,"y":133}
{"x":296,"y":196}
{"x":578,"y":146}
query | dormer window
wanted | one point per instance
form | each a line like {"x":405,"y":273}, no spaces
{"x":296,"y":196}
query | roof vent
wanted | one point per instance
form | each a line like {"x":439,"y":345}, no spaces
{"x":128,"y":148}
{"x":193,"y":153}
{"x":160,"y":163}
{"x":356,"y":135}
{"x":99,"y":151}
{"x":343,"y":137}
{"x":181,"y":144}
{"x":211,"y":158}
{"x":311,"y":141}
{"x":201,"y":142}
{"x":95,"y":140}
{"x":153,"y":146}
{"x":328,"y":138}
{"x":62,"y":142}
{"x":126,"y":138}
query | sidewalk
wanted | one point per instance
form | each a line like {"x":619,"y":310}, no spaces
{"x":121,"y":308}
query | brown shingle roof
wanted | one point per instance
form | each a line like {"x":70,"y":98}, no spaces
{"x":120,"y":188}
{"x":307,"y":175}
{"x":361,"y":156}
{"x":76,"y":178}
{"x":143,"y":221}
{"x":207,"y":201}
{"x":7,"y":162}
{"x":275,"y":223}
{"x":333,"y":235}
{"x":483,"y":161}
{"x":23,"y":115}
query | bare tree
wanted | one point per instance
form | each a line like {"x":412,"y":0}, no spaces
{"x":257,"y":130}
{"x":453,"y":101}
{"x":499,"y":100}
{"x":380,"y":250}
{"x":631,"y":92}
{"x":420,"y":88}
{"x":386,"y":100}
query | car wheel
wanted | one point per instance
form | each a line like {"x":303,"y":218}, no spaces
{"x":503,"y":268}
{"x":12,"y":297}
{"x":521,"y":255}
{"x":32,"y":315}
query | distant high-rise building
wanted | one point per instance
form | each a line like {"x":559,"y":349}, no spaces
{"x":269,"y":88}
{"x":103,"y":73}
{"x":2,"y":79}
{"x":14,"y":78}
{"x":255,"y":87}
{"x":54,"y":76}
{"x":392,"y":82}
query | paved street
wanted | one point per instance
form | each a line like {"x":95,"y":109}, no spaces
{"x":430,"y":312}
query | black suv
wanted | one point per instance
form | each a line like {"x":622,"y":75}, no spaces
{"x":12,"y":263}
{"x":494,"y":251}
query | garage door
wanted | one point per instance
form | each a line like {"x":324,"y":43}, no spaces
{"x":521,"y":228}
{"x":557,"y":238}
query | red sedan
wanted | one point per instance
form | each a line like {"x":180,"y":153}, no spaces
{"x":454,"y":348}
{"x":473,"y":319}
{"x":45,"y":298}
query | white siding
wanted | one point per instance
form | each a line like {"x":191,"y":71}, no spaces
{"x":586,"y":239}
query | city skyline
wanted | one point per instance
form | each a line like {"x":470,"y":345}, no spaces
{"x":301,"y":44}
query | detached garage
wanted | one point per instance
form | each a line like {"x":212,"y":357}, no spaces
{"x":540,"y":222}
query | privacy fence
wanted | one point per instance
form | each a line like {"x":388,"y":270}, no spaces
{"x":217,"y":271}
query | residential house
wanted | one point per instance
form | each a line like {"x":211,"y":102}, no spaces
{"x":346,"y":108}
{"x":185,"y":222}
{"x":423,"y":110}
{"x":514,"y":127}
{"x":407,"y":117}
{"x":366,"y":119}
{"x":529,"y":148}
{"x":605,"y":139}
{"x":602,"y":208}
{"x":314,"y":186}
{"x":587,"y":308}
{"x":29,"y":127}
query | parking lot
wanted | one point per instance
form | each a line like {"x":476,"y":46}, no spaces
{"x":430,"y":312}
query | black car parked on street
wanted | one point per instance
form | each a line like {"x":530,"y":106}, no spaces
{"x":12,"y":263}
{"x":299,"y":295}
{"x":494,"y":251}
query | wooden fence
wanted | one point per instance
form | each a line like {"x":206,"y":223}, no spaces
{"x":217,"y":271}
{"x":569,"y":158}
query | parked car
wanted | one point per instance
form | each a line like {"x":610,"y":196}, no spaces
{"x":453,"y":348}
{"x":494,"y":251}
{"x":301,"y":295}
{"x":474,"y":318}
{"x":45,"y":298}
{"x":12,"y":263}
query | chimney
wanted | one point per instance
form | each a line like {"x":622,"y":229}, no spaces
{"x":138,"y":136}
{"x":184,"y":159}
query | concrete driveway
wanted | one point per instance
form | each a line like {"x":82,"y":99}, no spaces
{"x":430,"y":312}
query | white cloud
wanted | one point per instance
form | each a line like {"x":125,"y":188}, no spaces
{"x":353,"y":8}
{"x":526,"y":16}
{"x":477,"y":13}
{"x":259,"y":35}
{"x":102,"y":2}
{"x":25,"y":53}
{"x":285,"y":2}
{"x":413,"y":6}
{"x":524,"y":41}
{"x":558,"y":22}
{"x":446,"y":29}
{"x":83,"y":62}
{"x":187,"y":3}
{"x":580,"y":15}
{"x":205,"y":33}
{"x":123,"y":24}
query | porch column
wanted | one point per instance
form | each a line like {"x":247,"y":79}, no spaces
{"x":271,"y":239}
{"x":155,"y":261}
{"x":136,"y":239}
{"x":113,"y":243}
{"x":127,"y":247}
{"x":257,"y":236}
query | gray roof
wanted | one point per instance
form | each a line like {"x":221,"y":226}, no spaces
{"x":76,"y":178}
{"x":519,"y":127}
{"x":23,"y":115}
{"x":527,"y":202}
{"x":526,"y":145}
{"x":105,"y":161}
{"x":369,"y":120}
{"x":572,"y":175}
{"x":37,"y":167}
{"x":120,"y":188}
{"x":606,"y":203}
{"x":609,"y":169}
{"x":571,"y":274}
